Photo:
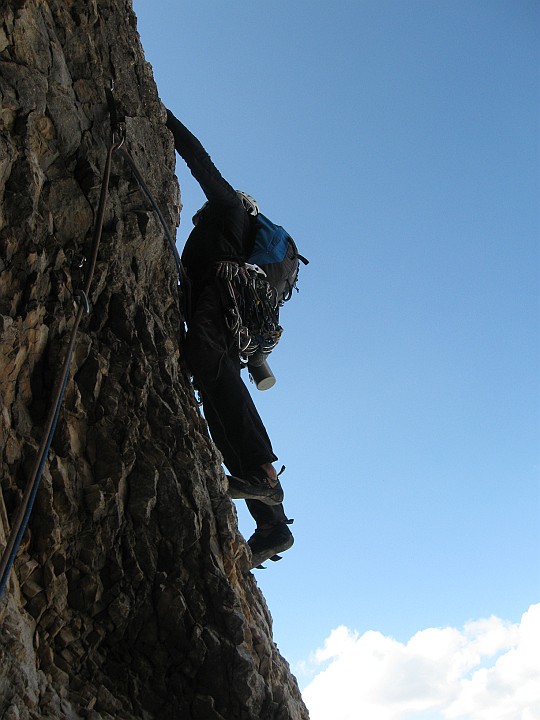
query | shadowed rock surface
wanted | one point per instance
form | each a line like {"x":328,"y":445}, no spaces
{"x":130,"y":596}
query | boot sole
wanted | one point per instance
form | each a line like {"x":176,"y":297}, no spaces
{"x":270,"y":553}
{"x":237,"y":492}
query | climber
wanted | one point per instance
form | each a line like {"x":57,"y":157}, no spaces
{"x":216,"y":259}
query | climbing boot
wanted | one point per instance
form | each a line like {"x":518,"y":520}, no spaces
{"x":256,"y":486}
{"x":265,"y":544}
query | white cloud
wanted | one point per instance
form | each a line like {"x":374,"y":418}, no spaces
{"x":489,"y":670}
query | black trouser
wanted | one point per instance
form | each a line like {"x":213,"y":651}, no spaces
{"x":235,"y":425}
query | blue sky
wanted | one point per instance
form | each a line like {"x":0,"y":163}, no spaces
{"x":397,"y":141}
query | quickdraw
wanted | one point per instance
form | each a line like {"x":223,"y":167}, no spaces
{"x":253,"y":313}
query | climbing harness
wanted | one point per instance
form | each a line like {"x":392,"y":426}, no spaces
{"x":81,"y":298}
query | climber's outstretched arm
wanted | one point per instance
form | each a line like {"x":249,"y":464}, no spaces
{"x":214,"y":186}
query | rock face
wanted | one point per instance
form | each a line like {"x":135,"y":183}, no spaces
{"x":130,"y":596}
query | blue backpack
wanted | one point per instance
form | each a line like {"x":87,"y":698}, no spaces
{"x":275,"y":252}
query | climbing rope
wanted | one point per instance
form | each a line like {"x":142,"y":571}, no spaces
{"x":81,"y":296}
{"x":182,"y":275}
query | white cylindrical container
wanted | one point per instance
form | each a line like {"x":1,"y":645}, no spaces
{"x":262,"y":376}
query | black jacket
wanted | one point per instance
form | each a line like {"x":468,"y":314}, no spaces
{"x":225,"y":230}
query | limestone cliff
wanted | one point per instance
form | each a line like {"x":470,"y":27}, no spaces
{"x":130,"y":596}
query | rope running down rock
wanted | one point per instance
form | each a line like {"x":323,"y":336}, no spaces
{"x":81,"y":296}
